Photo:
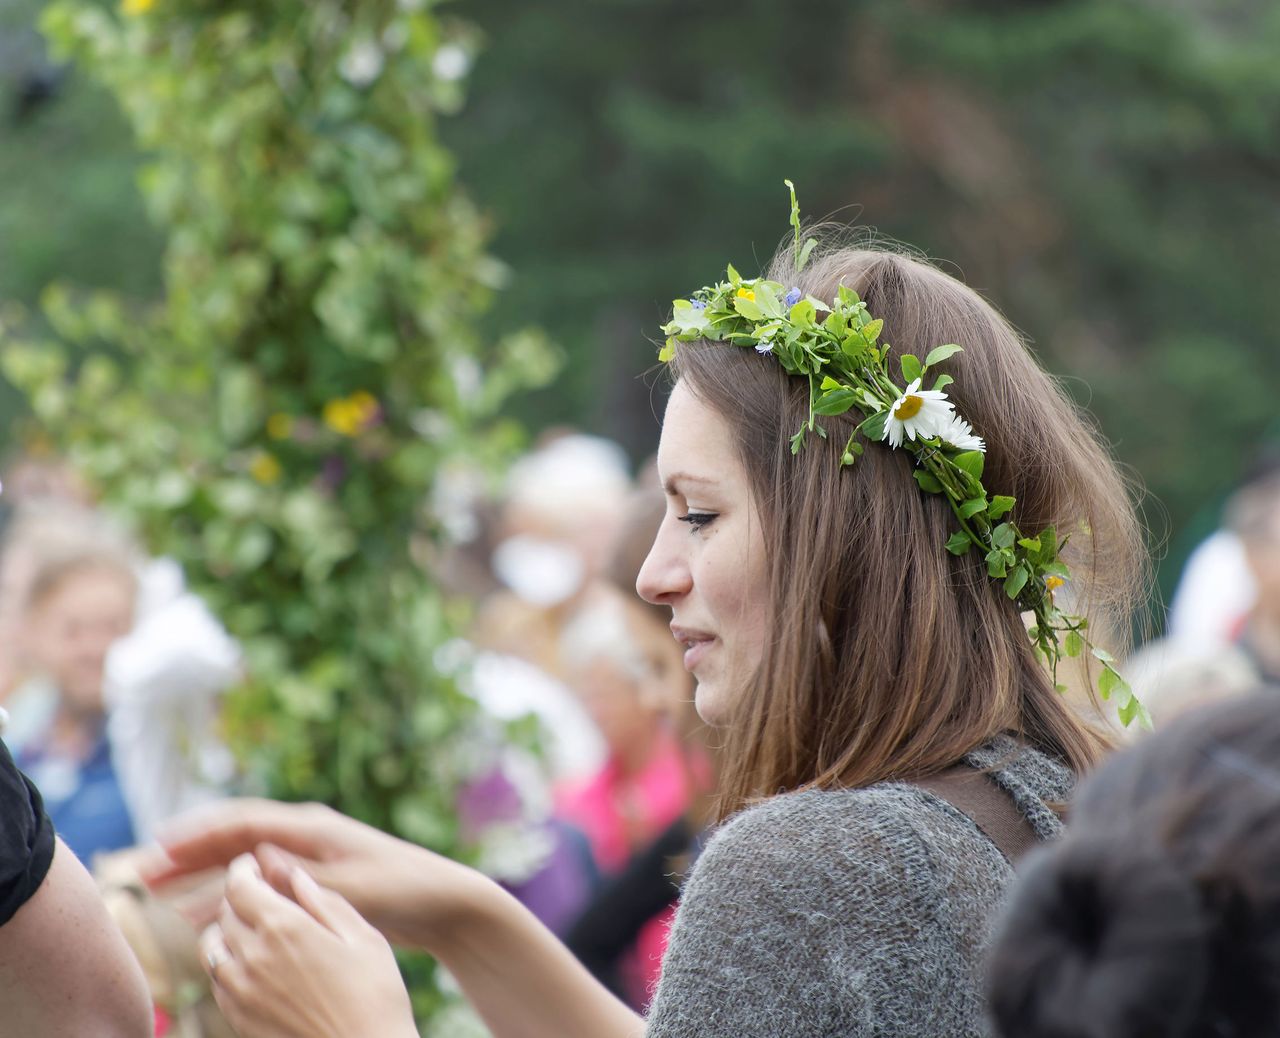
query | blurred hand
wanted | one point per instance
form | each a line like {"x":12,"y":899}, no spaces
{"x":310,"y":967}
{"x":412,"y":896}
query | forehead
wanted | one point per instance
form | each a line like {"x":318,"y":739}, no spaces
{"x":696,"y":440}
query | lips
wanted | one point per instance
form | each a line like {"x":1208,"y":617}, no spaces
{"x":696,"y":644}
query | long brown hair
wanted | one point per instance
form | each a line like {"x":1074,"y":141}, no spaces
{"x":889,"y":657}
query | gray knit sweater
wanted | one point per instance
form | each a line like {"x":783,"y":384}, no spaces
{"x":849,"y":913}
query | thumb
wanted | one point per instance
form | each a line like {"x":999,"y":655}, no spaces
{"x":326,"y":906}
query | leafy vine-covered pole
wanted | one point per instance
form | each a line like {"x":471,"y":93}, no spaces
{"x":278,"y":420}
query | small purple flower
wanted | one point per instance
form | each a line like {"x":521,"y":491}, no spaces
{"x":698,"y":304}
{"x":793,"y":297}
{"x":333,"y":472}
{"x":764,"y":346}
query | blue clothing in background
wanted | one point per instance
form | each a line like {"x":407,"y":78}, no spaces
{"x":83,"y":799}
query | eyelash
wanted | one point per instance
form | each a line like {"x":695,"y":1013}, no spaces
{"x":698,"y":519}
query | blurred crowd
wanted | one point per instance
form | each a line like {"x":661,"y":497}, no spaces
{"x":112,"y":673}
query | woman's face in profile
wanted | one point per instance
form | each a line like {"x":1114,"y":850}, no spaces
{"x":707,"y":562}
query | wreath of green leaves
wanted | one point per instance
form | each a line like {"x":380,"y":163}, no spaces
{"x":837,"y":348}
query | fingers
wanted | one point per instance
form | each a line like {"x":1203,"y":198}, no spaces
{"x":254,"y":900}
{"x":215,"y":953}
{"x":328,"y":906}
{"x":215,"y":835}
{"x":277,"y":867}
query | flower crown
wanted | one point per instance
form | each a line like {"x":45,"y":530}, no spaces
{"x":837,"y":348}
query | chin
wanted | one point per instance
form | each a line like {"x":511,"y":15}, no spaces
{"x":708,"y":701}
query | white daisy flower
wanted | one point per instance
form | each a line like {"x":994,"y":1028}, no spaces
{"x":959,"y":434}
{"x":917,"y":413}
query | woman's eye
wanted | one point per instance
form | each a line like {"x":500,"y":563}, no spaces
{"x":698,"y":519}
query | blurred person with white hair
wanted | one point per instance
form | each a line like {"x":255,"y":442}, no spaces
{"x":116,"y":718}
{"x":1177,"y":673}
{"x":76,"y":596}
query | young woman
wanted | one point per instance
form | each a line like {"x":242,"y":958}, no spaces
{"x":1160,"y":913}
{"x":848,"y":658}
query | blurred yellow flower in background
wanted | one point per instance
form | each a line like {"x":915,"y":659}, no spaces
{"x":348,"y":415}
{"x":264,"y":468}
{"x":365,"y":404}
{"x":340,"y":416}
{"x":279,"y":426}
{"x":133,"y":8}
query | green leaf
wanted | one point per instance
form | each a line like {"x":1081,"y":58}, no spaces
{"x":941,"y":382}
{"x":1016,"y":581}
{"x":797,"y":441}
{"x":1000,"y":504}
{"x":1003,"y":536}
{"x":803,"y":313}
{"x":910,"y":367}
{"x":871,"y":331}
{"x":749,"y":308}
{"x":1049,"y":546}
{"x":997,"y":563}
{"x":667,"y":352}
{"x":973,"y":506}
{"x":1102,"y":655}
{"x":735,"y":278}
{"x":1073,"y":644}
{"x":835,"y":324}
{"x":873,"y":427}
{"x":804,"y":253}
{"x":1132,"y":710}
{"x":959,"y":542}
{"x":688,"y":319}
{"x":940,"y":353}
{"x":1032,"y":544}
{"x":971,"y":462}
{"x":834,"y":402}
{"x":928,"y":482}
{"x":1108,"y":682}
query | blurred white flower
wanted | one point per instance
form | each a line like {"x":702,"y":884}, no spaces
{"x":917,"y":413}
{"x":451,"y":62}
{"x":362,"y":64}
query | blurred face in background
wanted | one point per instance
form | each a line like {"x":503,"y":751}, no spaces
{"x":607,"y":647}
{"x":70,"y":625}
{"x":615,"y":700}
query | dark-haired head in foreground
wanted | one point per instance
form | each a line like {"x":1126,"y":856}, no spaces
{"x":1159,"y":913}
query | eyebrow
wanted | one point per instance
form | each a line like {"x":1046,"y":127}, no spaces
{"x":669,"y":486}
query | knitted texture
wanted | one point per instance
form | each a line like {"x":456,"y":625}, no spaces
{"x":847,"y":913}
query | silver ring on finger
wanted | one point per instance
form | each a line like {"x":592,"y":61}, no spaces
{"x":216,"y":957}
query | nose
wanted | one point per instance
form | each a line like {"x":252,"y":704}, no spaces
{"x":665,"y":574}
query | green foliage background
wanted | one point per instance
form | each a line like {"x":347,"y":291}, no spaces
{"x":279,"y":417}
